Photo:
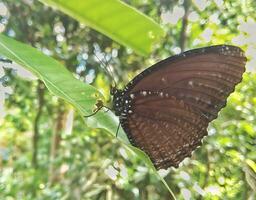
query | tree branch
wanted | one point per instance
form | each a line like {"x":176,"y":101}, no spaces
{"x":183,"y":34}
{"x":40,"y":94}
{"x":55,"y":141}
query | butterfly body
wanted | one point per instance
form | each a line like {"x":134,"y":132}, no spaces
{"x":121,"y":103}
{"x":166,"y":109}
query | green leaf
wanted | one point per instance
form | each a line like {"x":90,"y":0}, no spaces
{"x":60,"y":82}
{"x":63,"y":84}
{"x":115,"y":19}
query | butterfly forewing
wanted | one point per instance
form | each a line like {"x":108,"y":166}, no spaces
{"x":173,"y":101}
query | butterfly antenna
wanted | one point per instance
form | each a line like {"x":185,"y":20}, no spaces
{"x":106,"y":68}
{"x":107,"y":64}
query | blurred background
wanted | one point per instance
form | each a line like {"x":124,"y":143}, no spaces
{"x":46,"y":150}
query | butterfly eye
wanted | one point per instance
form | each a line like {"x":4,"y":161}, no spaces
{"x":113,"y":90}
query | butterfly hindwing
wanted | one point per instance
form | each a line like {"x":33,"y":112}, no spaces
{"x":166,"y":134}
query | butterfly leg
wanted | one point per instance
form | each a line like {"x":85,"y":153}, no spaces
{"x":99,"y":106}
{"x":94,"y":112}
{"x":118,"y":129}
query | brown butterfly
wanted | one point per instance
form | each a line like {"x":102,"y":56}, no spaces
{"x":166,"y":109}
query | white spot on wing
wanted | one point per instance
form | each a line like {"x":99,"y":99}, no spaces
{"x":190,"y":83}
{"x":144,"y":93}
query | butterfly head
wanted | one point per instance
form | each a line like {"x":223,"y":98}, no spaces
{"x":113,"y":90}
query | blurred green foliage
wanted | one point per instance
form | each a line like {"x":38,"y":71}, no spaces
{"x":76,"y":162}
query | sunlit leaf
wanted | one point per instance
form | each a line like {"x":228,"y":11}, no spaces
{"x":115,"y":19}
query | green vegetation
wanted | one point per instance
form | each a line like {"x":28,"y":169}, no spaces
{"x":49,"y":151}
